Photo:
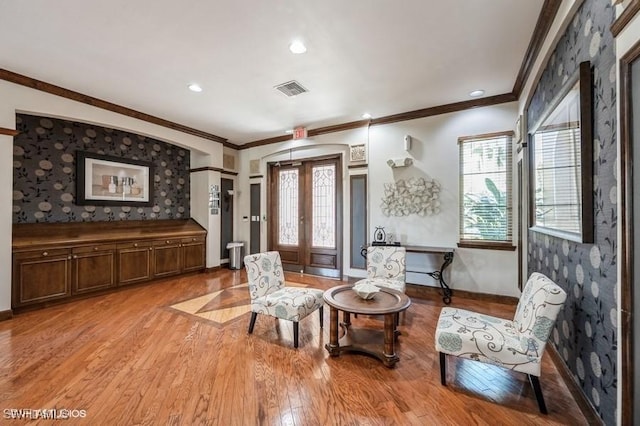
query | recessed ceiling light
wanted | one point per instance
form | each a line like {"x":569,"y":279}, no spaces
{"x":476,"y":93}
{"x":289,"y":131}
{"x":297,"y":47}
{"x":366,"y":116}
{"x":195,"y":87}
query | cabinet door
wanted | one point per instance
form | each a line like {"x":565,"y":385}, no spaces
{"x":193,"y":254}
{"x":167,"y":257}
{"x":40,"y":276}
{"x":134,"y":263}
{"x":93,"y":268}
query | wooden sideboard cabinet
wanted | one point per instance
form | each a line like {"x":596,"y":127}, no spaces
{"x":53,"y":262}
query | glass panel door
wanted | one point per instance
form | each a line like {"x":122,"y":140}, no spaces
{"x":305,"y":202}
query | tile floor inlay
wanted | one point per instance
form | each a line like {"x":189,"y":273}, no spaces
{"x":221,"y":306}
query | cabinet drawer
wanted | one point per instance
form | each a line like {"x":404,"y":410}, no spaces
{"x":94,"y":248}
{"x":133,"y":245}
{"x":196,"y":239}
{"x":36,"y":254}
{"x":167,"y":242}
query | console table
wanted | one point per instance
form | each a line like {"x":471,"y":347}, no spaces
{"x":446,"y":252}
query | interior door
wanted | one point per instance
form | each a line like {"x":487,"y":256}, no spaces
{"x":226,"y":216}
{"x":305,"y":207}
{"x":254,"y":209}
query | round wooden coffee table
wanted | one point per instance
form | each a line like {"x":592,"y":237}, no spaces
{"x":387,"y":302}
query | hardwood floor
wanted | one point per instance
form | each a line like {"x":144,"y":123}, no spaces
{"x":139,"y":356}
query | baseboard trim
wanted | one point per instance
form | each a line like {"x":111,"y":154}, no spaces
{"x":212,"y":269}
{"x":428,"y":292}
{"x":6,"y":315}
{"x":584,"y":404}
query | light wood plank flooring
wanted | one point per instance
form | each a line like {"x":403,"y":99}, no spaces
{"x":154,"y":355}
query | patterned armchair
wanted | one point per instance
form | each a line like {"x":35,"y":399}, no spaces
{"x":517,"y":345}
{"x":386,"y":266}
{"x":270,"y":296}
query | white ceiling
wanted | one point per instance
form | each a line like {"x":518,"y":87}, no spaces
{"x":380,"y":56}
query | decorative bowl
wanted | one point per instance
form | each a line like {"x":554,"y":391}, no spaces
{"x":366,"y":290}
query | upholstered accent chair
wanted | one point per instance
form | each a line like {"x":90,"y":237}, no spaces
{"x":270,"y":296}
{"x":516,"y":344}
{"x":386,"y":266}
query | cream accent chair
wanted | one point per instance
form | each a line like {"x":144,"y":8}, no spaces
{"x":270,"y":296}
{"x":517,"y":345}
{"x":386,"y":266}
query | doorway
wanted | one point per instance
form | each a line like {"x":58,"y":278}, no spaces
{"x":226,"y":216}
{"x":630,"y":243}
{"x":305,"y":207}
{"x":254,"y":210}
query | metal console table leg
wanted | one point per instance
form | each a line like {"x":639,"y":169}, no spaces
{"x":439,"y":275}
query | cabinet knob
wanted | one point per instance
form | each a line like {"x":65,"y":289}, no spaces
{"x":44,"y":253}
{"x":135,"y":244}
{"x":150,"y":248}
{"x":69,"y":257}
{"x":75,"y":256}
{"x":95,"y":249}
{"x":168,"y":241}
{"x":195,"y":239}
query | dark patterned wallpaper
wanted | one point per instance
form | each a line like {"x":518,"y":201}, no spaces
{"x":44,"y":172}
{"x":586,"y":333}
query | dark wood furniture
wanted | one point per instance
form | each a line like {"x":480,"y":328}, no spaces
{"x":387,"y":302}
{"x":58,"y":261}
{"x":447,"y":253}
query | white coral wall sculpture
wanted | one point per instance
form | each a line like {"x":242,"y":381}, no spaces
{"x":415,"y":196}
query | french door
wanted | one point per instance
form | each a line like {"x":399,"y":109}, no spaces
{"x":305,"y":200}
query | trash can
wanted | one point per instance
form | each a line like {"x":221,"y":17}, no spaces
{"x":235,"y":254}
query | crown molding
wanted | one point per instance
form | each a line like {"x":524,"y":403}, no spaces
{"x":543,"y":25}
{"x":109,"y":106}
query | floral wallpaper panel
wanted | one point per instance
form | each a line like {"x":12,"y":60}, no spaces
{"x":44,"y":172}
{"x":586,"y":332}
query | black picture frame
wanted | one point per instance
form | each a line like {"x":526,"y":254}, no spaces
{"x":104,"y":180}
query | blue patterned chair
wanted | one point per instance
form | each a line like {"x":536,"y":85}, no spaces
{"x":386,"y":266}
{"x":517,"y":345}
{"x":270,"y":296}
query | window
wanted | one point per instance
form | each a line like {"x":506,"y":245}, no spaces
{"x":562,"y":185}
{"x":485,"y":191}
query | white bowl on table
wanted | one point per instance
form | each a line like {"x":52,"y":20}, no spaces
{"x":366,"y":290}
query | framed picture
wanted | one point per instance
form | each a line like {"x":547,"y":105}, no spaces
{"x":357,"y":153}
{"x":103,"y":180}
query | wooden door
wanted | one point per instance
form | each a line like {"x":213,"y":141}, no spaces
{"x":305,"y":207}
{"x":193,"y":254}
{"x":135,"y":262}
{"x":167,"y":259}
{"x":40,"y":276}
{"x":93,"y":268}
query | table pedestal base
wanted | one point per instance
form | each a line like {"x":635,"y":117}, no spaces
{"x":363,"y":340}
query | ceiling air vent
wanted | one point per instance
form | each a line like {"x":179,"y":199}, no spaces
{"x":291,"y":88}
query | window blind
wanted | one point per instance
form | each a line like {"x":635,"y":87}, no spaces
{"x":486,"y":187}
{"x":558,"y":197}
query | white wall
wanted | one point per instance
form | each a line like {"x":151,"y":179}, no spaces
{"x":16,"y":98}
{"x":435,"y":154}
